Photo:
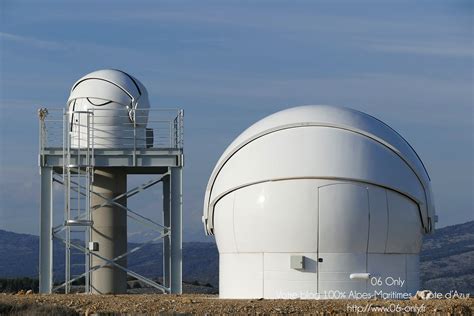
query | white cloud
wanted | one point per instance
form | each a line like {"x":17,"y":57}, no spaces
{"x":68,"y":46}
{"x":30,"y":41}
{"x":448,"y":49}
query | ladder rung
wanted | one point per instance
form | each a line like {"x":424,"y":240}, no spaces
{"x":78,"y":222}
{"x":77,"y":166}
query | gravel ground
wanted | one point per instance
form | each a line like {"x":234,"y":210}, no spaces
{"x":74,"y":304}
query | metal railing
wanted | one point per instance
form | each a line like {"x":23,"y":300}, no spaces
{"x":164,"y":129}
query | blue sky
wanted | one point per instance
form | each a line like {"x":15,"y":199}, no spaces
{"x":229,"y":64}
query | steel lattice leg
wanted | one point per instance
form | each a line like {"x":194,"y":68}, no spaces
{"x":166,"y":239}
{"x":176,"y":229}
{"x":46,"y":237}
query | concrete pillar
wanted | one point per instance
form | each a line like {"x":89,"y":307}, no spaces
{"x":166,"y":239}
{"x":46,"y":233}
{"x":176,"y":229}
{"x":109,"y":230}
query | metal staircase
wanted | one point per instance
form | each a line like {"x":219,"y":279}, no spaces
{"x":78,"y":176}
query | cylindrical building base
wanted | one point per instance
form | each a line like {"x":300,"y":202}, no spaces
{"x":109,"y":231}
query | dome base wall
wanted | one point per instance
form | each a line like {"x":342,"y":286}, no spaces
{"x":270,"y":276}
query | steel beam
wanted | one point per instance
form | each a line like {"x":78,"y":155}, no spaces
{"x":166,"y":223}
{"x":46,"y":231}
{"x":176,"y":229}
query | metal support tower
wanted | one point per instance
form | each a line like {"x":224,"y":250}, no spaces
{"x":46,"y":231}
{"x":74,"y":168}
{"x":172,"y":244}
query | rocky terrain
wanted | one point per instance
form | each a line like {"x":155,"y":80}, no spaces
{"x":80,"y":304}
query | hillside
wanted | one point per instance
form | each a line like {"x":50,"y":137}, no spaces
{"x":19,"y":253}
{"x":447,"y":259}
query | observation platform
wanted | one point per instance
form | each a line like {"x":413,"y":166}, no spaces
{"x":72,"y":147}
{"x":163,"y":149}
{"x":134,"y":161}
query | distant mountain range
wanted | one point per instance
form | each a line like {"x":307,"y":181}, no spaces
{"x":19,"y":255}
{"x":447,"y":259}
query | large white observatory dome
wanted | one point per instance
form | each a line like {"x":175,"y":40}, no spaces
{"x":109,"y":108}
{"x":315,"y":201}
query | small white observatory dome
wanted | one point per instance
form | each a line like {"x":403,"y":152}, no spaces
{"x":109,"y":108}
{"x":316,"y":201}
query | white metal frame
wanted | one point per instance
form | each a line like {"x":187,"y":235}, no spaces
{"x":70,"y":163}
